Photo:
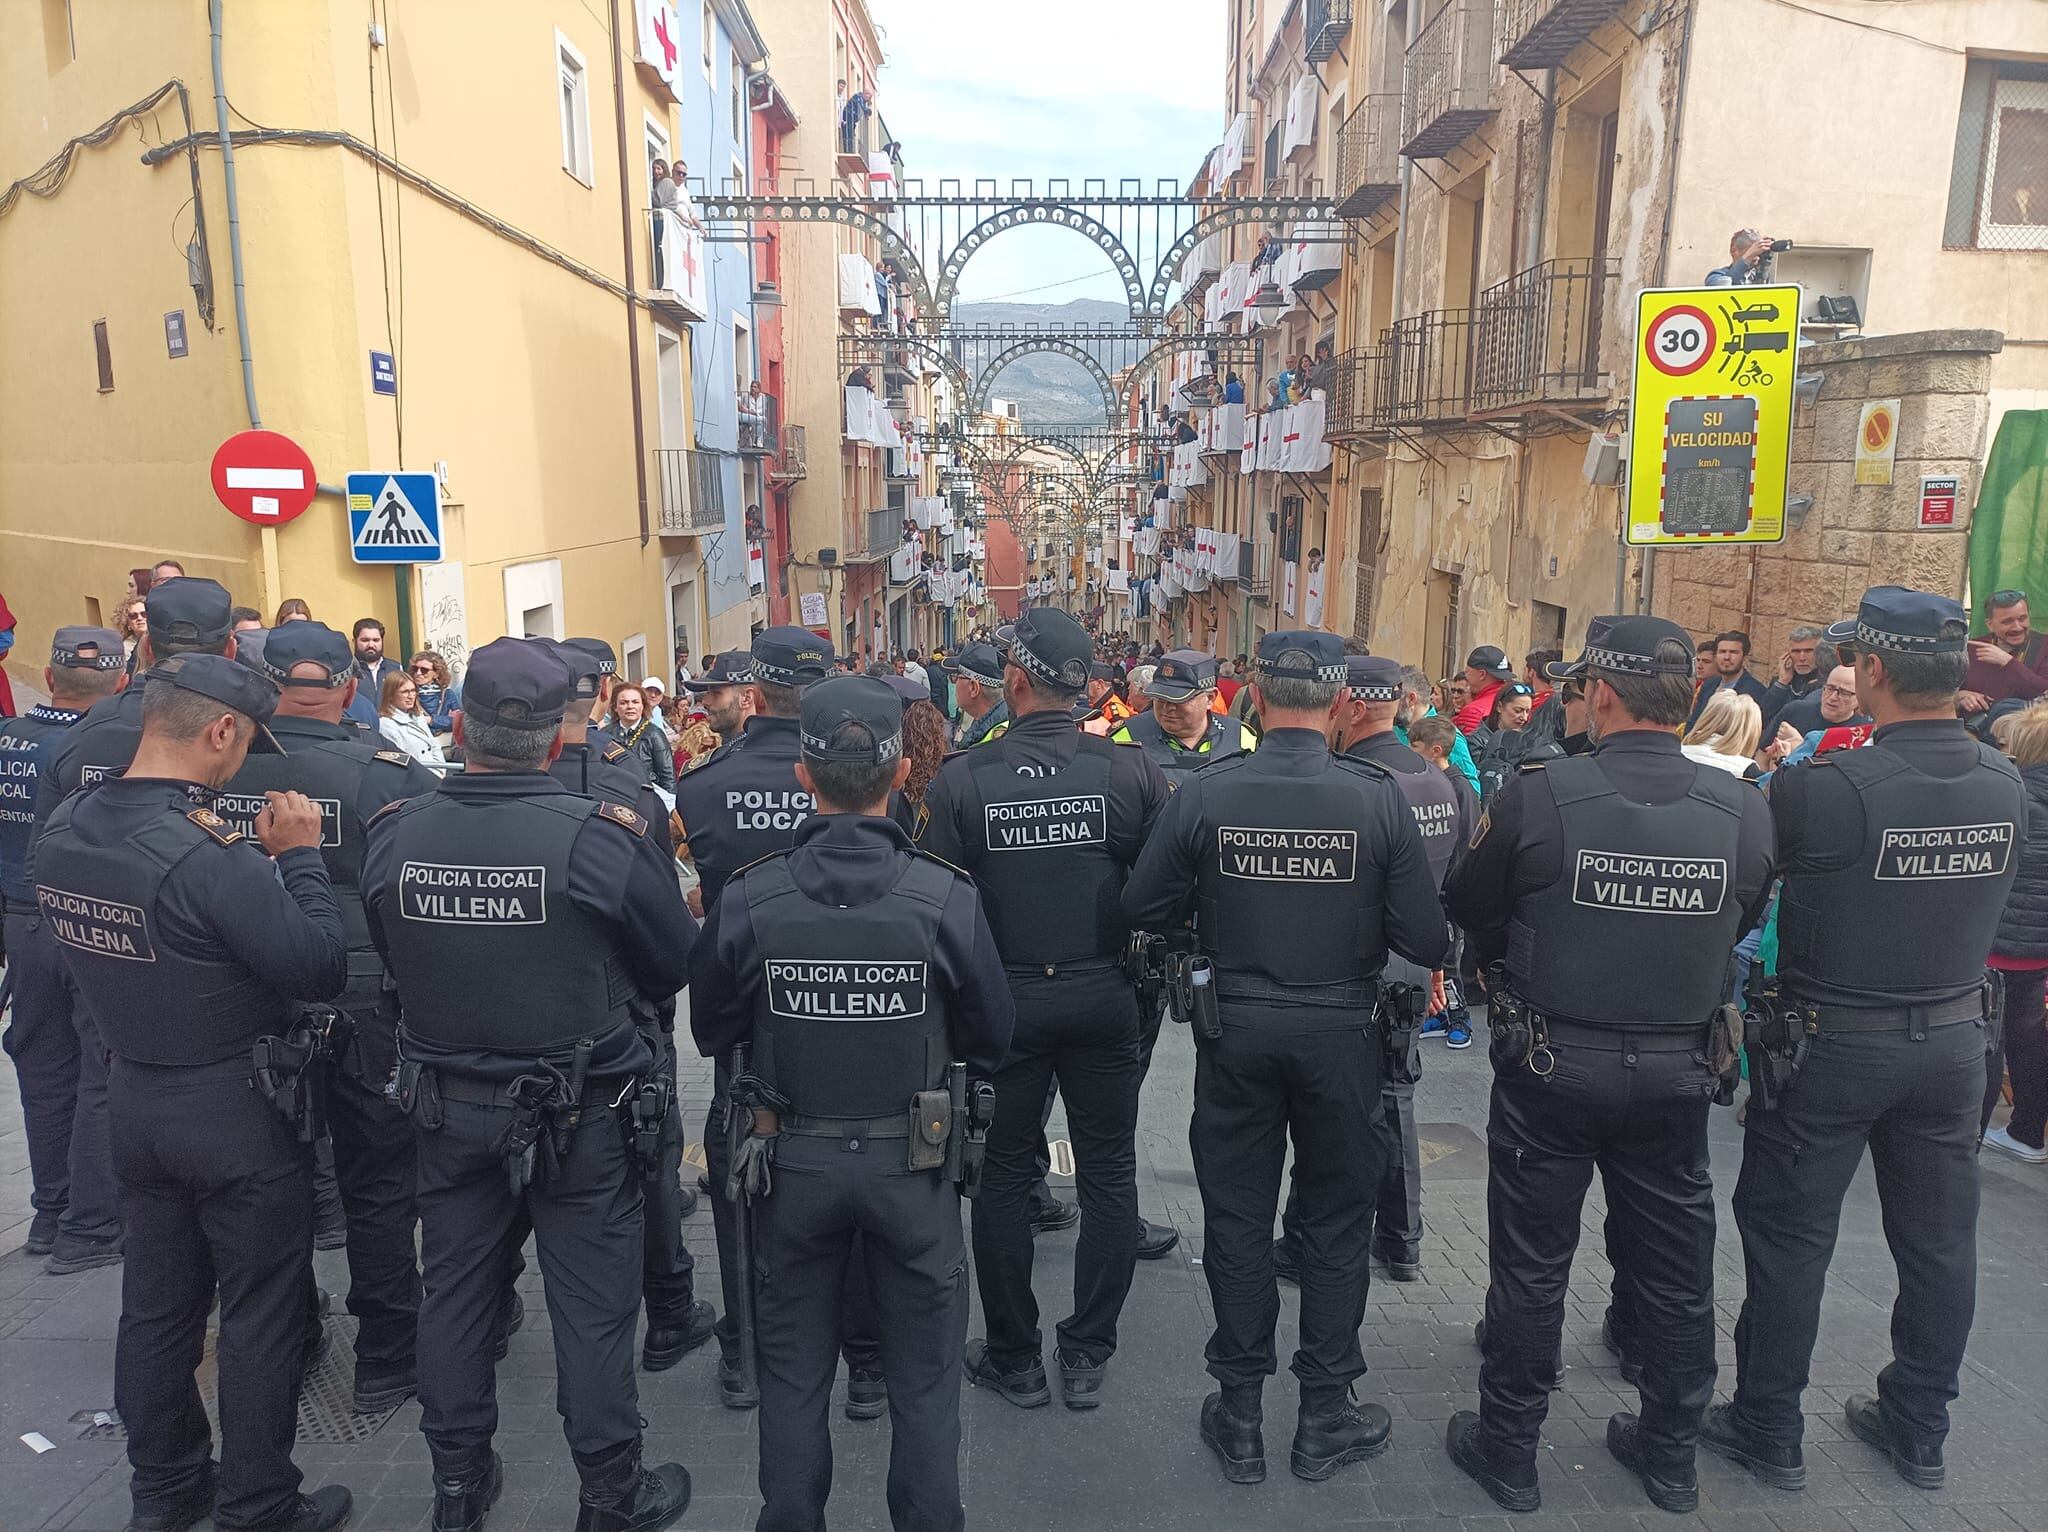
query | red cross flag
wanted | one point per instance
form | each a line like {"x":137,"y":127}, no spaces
{"x":660,"y":39}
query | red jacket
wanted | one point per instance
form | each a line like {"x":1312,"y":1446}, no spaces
{"x":1473,"y":713}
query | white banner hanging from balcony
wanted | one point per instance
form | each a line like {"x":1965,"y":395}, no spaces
{"x":1287,"y":588}
{"x":1227,"y":544}
{"x":1120,"y":581}
{"x":661,"y":40}
{"x":680,"y":271}
{"x":857,"y":285}
{"x":1315,"y":253}
{"x":1230,"y":156}
{"x":1312,"y":595}
{"x":881,"y":175}
{"x":1301,"y":446}
{"x":867,"y":421}
{"x":1300,"y":131}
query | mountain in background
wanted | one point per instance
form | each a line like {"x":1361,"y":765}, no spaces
{"x":1049,"y":389}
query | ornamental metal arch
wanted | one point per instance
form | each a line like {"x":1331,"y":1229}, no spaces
{"x":1228,"y":215}
{"x":1062,"y":215}
{"x":1057,"y":345}
{"x":1225,"y":349}
{"x":885,"y":348}
{"x":839,"y":210}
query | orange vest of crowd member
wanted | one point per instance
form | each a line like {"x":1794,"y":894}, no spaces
{"x":1112,"y":716}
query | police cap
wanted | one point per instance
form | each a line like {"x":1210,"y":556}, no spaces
{"x":1303,"y":655}
{"x":1052,"y":648}
{"x":589,"y":660}
{"x":1182,"y":675}
{"x":232,"y":685}
{"x":305,"y":643}
{"x":1373,"y":677}
{"x":790,"y":656}
{"x":977,"y":662}
{"x":869,"y":705}
{"x":1902,"y":621}
{"x":189,"y":610}
{"x":735,"y":667}
{"x":1005,"y":636}
{"x":1627,"y":646}
{"x":517,"y":684}
{"x":86,"y":648}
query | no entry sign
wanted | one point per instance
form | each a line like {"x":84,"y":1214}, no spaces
{"x":264,"y":477}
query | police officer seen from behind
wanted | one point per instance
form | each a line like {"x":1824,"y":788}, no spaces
{"x":677,"y":1323}
{"x":350,"y":779}
{"x":1302,"y":869}
{"x":1181,"y":731}
{"x":527,"y":930}
{"x":189,"y":947}
{"x":863,"y":979}
{"x":51,"y":1039}
{"x":1049,"y":821}
{"x":1896,"y":859}
{"x":1614,"y":884}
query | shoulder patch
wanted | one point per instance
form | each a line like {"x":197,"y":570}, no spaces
{"x":623,"y":817}
{"x":392,"y":757}
{"x":1532,"y":765}
{"x":958,"y":872}
{"x":215,"y":826}
{"x":395,"y":803}
{"x":613,"y":750}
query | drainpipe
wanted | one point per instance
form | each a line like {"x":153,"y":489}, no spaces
{"x":1664,"y":249}
{"x":273,"y":580}
{"x":632,"y":304}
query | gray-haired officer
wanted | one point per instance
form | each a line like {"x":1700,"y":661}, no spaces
{"x":59,"y":1061}
{"x":527,"y":928}
{"x":977,"y":672}
{"x":1630,"y":851}
{"x":862,"y":977}
{"x":1048,"y":820}
{"x":677,"y":1323}
{"x":1181,"y":731}
{"x":190,"y":949}
{"x":351,"y":779}
{"x":1303,"y":868}
{"x":1875,"y":1037}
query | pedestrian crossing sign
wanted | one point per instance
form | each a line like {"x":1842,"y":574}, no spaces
{"x":394,"y":518}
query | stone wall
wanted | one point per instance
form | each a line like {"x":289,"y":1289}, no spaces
{"x":1855,"y":535}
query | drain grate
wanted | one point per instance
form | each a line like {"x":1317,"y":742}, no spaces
{"x":326,"y":1409}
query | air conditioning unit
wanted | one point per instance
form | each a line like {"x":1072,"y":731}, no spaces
{"x":1604,"y":457}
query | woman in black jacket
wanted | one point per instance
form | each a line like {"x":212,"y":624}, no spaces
{"x":2019,"y":954}
{"x":649,"y":756}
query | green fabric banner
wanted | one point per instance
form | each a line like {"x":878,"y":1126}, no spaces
{"x":2009,"y":530}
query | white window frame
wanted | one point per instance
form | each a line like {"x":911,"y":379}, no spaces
{"x":2006,"y":236}
{"x":640,"y":668}
{"x":572,"y":79}
{"x":657,"y":140}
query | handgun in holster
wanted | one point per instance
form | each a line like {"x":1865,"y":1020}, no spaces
{"x":647,"y":1113}
{"x":525,"y":1146}
{"x":981,"y":1111}
{"x":1776,"y":1038}
{"x":1510,"y":1038}
{"x":283,"y":1072}
{"x":1401,"y":1011}
{"x":1144,"y":964}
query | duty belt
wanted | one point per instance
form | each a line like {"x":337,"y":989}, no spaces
{"x":487,"y":1093}
{"x":1914,"y":1019}
{"x":1583,"y":1034}
{"x":1054,"y":970}
{"x":1258,"y":989}
{"x":897,"y":1125}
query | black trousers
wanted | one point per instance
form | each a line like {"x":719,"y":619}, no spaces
{"x":587,"y":1224}
{"x":215,"y":1191}
{"x":1397,"y":1213}
{"x":1078,"y":1028}
{"x":375,"y":1172}
{"x":1256,"y":1087}
{"x":831,"y":1210}
{"x":1641,"y":1119}
{"x":1915,"y":1104}
{"x":668,"y":1270}
{"x":2023,"y":1050}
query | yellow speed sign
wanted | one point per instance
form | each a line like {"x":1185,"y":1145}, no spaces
{"x":1710,"y":415}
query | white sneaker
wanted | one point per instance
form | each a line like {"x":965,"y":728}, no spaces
{"x":1998,"y":1138}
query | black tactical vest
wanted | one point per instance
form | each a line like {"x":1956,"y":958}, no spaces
{"x":489,"y":950}
{"x":1636,"y":931}
{"x":850,"y":1021}
{"x":153,"y":1004}
{"x":1226,"y":738}
{"x":1916,"y":912}
{"x":1428,"y":792}
{"x":1283,"y":893}
{"x":1049,"y":886}
{"x":744,"y":803}
{"x":23,"y":755}
{"x":101,"y":745}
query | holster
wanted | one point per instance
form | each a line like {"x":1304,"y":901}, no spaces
{"x":981,"y":1111}
{"x":283,"y":1072}
{"x":931,"y":1126}
{"x":417,"y":1090}
{"x":1724,"y":1052}
{"x":1776,"y":1038}
{"x":1510,"y":1039}
{"x":526,"y":1146}
{"x":1191,"y":992}
{"x":956,"y":1118}
{"x":1401,"y":1011}
{"x":647,"y":1115}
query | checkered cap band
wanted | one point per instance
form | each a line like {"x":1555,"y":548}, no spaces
{"x":879,"y":752}
{"x":1629,"y":664}
{"x":1910,"y":643}
{"x":1375,"y":692}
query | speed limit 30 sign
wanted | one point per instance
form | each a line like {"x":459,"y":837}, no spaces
{"x":1679,"y":341}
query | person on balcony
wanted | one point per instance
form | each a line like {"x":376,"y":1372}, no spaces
{"x":753,"y":416}
{"x":664,"y":203}
{"x":1233,"y":389}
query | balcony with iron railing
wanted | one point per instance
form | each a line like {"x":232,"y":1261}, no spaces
{"x":1255,"y":568}
{"x":791,"y":458}
{"x":760,"y":424}
{"x":1358,"y":404}
{"x":1540,"y":334}
{"x":691,"y":491}
{"x":1369,"y":156}
{"x":1447,"y":87}
{"x":1429,"y":369}
{"x":874,"y":535}
{"x":1542,"y":34}
{"x":1324,"y":28}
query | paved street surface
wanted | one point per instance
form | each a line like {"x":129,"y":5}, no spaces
{"x":1137,"y":1463}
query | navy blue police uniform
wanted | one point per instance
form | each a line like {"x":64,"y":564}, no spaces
{"x":188,"y":945}
{"x":1303,"y":869}
{"x":526,"y":928}
{"x":856,"y":971}
{"x":1613,"y":885}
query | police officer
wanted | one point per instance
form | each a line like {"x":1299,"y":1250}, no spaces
{"x":725,"y":693}
{"x":50,"y":1038}
{"x":1182,"y":731}
{"x":855,"y":969}
{"x":977,"y":674}
{"x":188,"y":947}
{"x":350,"y":779}
{"x":1910,"y":837}
{"x":1302,"y":869}
{"x":1614,"y":884}
{"x":526,"y":929}
{"x":590,"y":764}
{"x":1049,"y":821}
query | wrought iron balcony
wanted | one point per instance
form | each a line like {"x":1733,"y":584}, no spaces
{"x":1429,"y":369}
{"x":758,"y":431}
{"x":791,"y":459}
{"x":874,"y":535}
{"x":1325,"y":27}
{"x":1369,"y":156}
{"x":692,"y":491}
{"x":1540,"y":333}
{"x":1540,"y":34}
{"x":1448,"y":83}
{"x":1358,"y":403}
{"x":1255,"y":568}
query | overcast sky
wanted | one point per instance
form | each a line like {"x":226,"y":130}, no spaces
{"x":1044,"y":89}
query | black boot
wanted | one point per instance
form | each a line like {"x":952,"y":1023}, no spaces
{"x":1918,"y":1464}
{"x":1333,"y":1431}
{"x":1779,"y":1467}
{"x":867,"y":1393}
{"x":461,"y":1501}
{"x":322,"y":1511}
{"x":673,"y":1339}
{"x":1670,"y":1487}
{"x":619,"y":1495}
{"x":1512,"y":1489}
{"x":189,"y":1509}
{"x":1230,"y":1429}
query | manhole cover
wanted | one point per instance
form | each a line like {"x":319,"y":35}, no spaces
{"x":326,"y":1412}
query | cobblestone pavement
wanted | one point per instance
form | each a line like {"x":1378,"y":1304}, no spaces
{"x":1136,"y":1463}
